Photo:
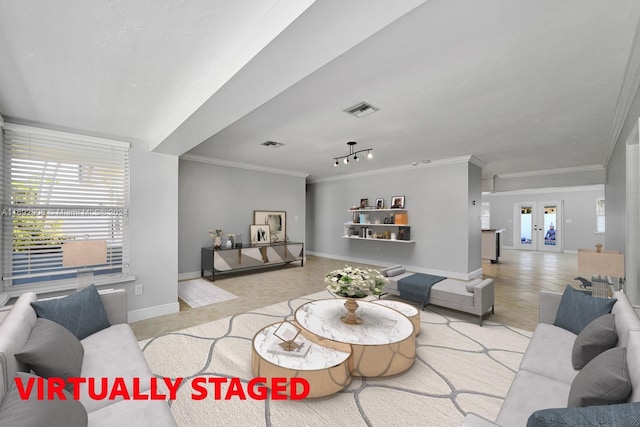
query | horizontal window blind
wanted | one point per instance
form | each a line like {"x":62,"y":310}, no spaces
{"x":61,"y":187}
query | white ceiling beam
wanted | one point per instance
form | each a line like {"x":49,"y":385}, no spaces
{"x":305,"y":46}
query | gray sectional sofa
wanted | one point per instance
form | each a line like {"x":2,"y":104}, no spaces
{"x":544,"y":379}
{"x":108,"y":353}
{"x":474,"y":296}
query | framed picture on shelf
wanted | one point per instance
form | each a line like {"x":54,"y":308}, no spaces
{"x":397,"y":202}
{"x":364,"y":203}
{"x":260,"y":234}
{"x":379,"y":203}
{"x":276,"y":222}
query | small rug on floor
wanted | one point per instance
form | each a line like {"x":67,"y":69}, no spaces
{"x":460,"y":367}
{"x":201,"y":292}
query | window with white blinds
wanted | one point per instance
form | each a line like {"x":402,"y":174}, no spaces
{"x":60,"y":187}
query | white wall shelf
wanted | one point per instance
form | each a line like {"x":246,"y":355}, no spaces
{"x":379,"y":240}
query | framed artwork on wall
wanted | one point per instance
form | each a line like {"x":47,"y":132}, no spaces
{"x":277,"y":222}
{"x":397,"y":202}
{"x":260,"y":234}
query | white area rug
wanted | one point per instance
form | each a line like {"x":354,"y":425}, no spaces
{"x":460,"y":367}
{"x":200,"y":292}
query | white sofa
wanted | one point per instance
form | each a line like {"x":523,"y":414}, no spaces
{"x":473,"y":297}
{"x":111,"y":352}
{"x":546,"y":372}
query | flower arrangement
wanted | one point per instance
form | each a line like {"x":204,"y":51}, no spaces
{"x":355,"y":282}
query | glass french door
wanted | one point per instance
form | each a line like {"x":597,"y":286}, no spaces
{"x":538,"y":226}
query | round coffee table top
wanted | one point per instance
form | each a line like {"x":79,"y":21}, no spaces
{"x":318,"y":356}
{"x":380,"y":325}
{"x":404,"y":308}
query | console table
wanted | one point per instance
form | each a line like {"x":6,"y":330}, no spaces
{"x":226,"y":260}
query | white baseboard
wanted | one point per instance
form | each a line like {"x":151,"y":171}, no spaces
{"x":571,"y":251}
{"x":150,"y":312}
{"x":189,"y":275}
{"x":508,"y":247}
{"x":415,"y":269}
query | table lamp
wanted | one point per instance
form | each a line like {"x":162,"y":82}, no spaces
{"x":599,"y":265}
{"x":84,"y":254}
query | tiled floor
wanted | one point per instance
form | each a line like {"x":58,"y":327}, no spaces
{"x":519,"y":276}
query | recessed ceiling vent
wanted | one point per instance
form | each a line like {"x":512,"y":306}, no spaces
{"x":361,"y":110}
{"x":272,"y":144}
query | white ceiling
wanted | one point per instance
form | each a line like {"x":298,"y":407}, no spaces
{"x":522,"y":86}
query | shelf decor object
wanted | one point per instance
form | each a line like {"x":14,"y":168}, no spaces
{"x":353,"y":283}
{"x":352,"y":154}
{"x":600,"y":264}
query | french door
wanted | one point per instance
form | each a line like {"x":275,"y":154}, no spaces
{"x":538,"y":226}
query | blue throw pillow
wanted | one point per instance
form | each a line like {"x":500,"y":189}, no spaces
{"x":623,"y":414}
{"x":82,"y":313}
{"x":577,"y":309}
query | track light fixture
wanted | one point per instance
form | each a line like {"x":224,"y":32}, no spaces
{"x":352,"y":153}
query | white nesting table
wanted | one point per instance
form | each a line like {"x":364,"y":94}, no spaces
{"x":384,"y":344}
{"x":325,"y":367}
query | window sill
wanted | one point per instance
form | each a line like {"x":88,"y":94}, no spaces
{"x":45,"y":288}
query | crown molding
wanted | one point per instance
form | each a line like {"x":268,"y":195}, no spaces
{"x":402,"y":168}
{"x":238,"y":165}
{"x":628,"y":92}
{"x":546,"y":172}
{"x":594,"y":187}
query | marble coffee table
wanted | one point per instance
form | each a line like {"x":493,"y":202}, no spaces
{"x":326,"y":367}
{"x":408,"y":310}
{"x":384,"y":344}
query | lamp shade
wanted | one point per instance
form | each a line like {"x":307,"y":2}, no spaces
{"x":84,"y":252}
{"x":604,"y":263}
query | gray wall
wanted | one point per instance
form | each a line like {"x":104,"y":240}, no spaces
{"x":579,"y":208}
{"x":213,"y":196}
{"x":443,"y":222}
{"x":615,"y":188}
{"x":153,"y":219}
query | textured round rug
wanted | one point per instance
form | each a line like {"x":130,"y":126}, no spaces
{"x":460,"y":367}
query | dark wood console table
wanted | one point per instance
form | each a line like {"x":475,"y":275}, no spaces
{"x":225,"y":260}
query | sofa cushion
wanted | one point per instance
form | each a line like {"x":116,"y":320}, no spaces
{"x":469,"y":286}
{"x":453,"y":291}
{"x":135,"y":413}
{"x":14,"y":411}
{"x":553,"y":361}
{"x":577,"y":309}
{"x":52,"y":351}
{"x":82,"y":313}
{"x":603,"y":381}
{"x":623,"y":414}
{"x":384,"y":271}
{"x":528,"y":393}
{"x":396,"y":272}
{"x":110,"y":353}
{"x":633,"y":363}
{"x":626,"y":317}
{"x":14,"y":332}
{"x":598,"y":336}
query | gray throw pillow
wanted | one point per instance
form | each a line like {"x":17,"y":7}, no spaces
{"x":14,"y":411}
{"x":622,"y":415}
{"x":82,"y":313}
{"x":396,"y":272}
{"x":384,"y":271}
{"x":578,"y":309}
{"x":52,"y":351}
{"x":598,"y":336}
{"x":603,"y":381}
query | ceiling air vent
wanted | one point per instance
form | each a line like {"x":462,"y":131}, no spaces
{"x":361,"y":110}
{"x":272,"y":144}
